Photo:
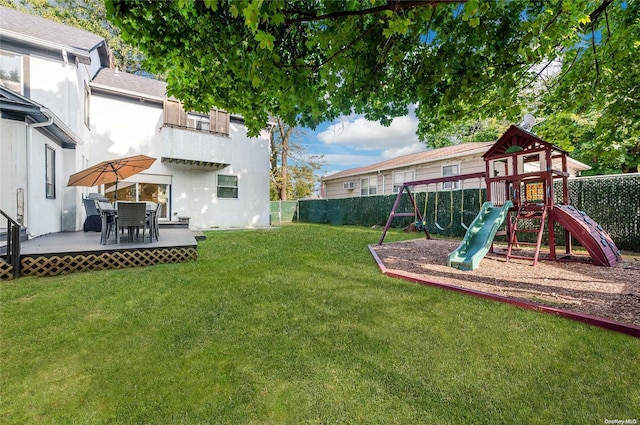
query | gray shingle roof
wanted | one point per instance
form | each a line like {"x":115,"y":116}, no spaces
{"x":416,"y":158}
{"x":42,"y":29}
{"x":124,"y":82}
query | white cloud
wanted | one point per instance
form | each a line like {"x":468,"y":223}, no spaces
{"x":403,"y":150}
{"x":362,"y":134}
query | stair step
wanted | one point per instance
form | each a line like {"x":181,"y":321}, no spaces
{"x":200,"y":236}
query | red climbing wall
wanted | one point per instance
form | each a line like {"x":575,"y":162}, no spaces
{"x":592,"y":237}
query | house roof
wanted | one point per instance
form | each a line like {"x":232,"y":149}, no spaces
{"x":115,"y":81}
{"x":17,"y":107}
{"x":416,"y":158}
{"x":25,"y":27}
{"x":129,"y":84}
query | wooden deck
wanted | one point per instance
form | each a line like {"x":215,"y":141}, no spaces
{"x":68,"y":252}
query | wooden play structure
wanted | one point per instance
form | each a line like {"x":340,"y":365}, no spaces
{"x":520,"y":171}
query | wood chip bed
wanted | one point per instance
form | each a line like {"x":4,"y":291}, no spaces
{"x":609,"y":292}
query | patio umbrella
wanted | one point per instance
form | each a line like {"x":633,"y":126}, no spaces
{"x":111,"y":171}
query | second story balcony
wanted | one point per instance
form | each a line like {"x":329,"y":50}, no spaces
{"x":196,"y":138}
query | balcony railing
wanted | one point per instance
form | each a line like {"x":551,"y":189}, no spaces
{"x":197,"y":146}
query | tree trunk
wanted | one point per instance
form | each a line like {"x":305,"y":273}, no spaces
{"x":284,"y":155}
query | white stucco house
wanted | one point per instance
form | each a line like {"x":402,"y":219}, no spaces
{"x":64,"y":107}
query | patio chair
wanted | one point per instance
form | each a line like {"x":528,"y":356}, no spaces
{"x":108,"y":221}
{"x":92,"y":222}
{"x":153,"y":213}
{"x":132,"y":216}
{"x":97,"y":197}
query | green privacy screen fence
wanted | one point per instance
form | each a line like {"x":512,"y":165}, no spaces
{"x":374,"y":210}
{"x":283,"y":212}
{"x":612,"y":201}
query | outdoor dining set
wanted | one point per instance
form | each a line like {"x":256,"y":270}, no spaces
{"x":112,"y":221}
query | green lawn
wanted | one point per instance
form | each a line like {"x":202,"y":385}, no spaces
{"x":296,"y":325}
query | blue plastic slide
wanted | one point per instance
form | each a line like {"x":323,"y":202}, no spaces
{"x":477,"y":241}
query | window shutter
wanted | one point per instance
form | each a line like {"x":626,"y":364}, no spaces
{"x":171,"y":112}
{"x":174,"y":113}
{"x":219,"y":121}
{"x":182,"y":121}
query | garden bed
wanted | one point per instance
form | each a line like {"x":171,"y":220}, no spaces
{"x":608,"y":292}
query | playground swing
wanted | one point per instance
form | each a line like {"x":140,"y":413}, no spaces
{"x":421,"y":224}
{"x":435,"y":216}
{"x":462,"y":201}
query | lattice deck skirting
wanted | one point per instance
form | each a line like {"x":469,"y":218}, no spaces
{"x":6,"y":270}
{"x":62,"y":264}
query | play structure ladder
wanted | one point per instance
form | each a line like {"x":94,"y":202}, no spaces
{"x":527,"y":212}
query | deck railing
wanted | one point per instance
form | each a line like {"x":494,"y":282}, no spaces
{"x":12,"y":254}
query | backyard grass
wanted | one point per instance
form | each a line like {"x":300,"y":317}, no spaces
{"x":296,"y":325}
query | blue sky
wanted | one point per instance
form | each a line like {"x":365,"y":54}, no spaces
{"x":352,"y":141}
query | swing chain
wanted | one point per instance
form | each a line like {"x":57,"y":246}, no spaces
{"x":435,"y":218}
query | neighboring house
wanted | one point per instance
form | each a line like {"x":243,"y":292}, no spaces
{"x":64,"y":108}
{"x":385,"y":178}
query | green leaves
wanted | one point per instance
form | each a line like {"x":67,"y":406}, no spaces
{"x":251,"y":14}
{"x":396,"y":26}
{"x":265,"y":39}
{"x":211,"y":4}
{"x":313,"y":61}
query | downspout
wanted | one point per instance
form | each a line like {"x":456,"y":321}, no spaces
{"x":28,"y":162}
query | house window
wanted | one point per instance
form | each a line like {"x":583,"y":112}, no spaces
{"x":368,"y":186}
{"x":87,"y":97}
{"x":158,"y":193}
{"x":11,"y":75}
{"x":448,"y":171}
{"x":199,"y":122}
{"x":399,"y":177}
{"x":50,"y":172}
{"x":227,"y":186}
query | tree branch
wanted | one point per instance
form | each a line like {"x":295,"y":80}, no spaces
{"x":595,"y":56}
{"x":393,"y":5}
{"x":593,"y":16}
{"x":344,"y":48}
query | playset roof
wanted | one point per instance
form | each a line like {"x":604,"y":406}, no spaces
{"x":516,"y":139}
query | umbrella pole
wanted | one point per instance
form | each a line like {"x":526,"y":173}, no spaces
{"x":115,"y":194}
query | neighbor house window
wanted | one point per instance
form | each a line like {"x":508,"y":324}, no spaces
{"x":199,"y":122}
{"x":50,"y":172}
{"x":11,"y":75}
{"x":227,"y":186}
{"x":448,"y":171}
{"x":87,"y":97}
{"x":368,"y":186}
{"x":399,"y":177}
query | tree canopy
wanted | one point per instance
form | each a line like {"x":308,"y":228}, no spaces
{"x":313,"y":61}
